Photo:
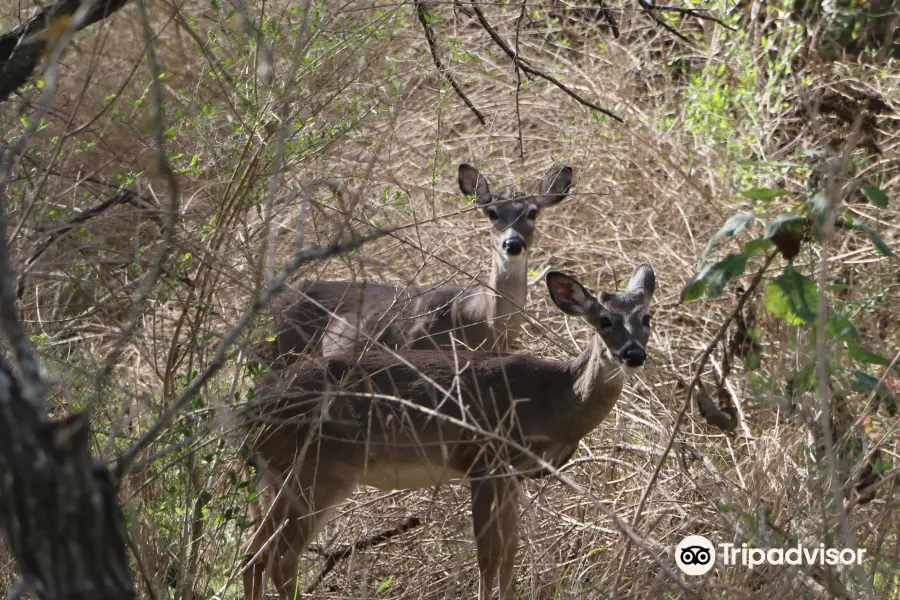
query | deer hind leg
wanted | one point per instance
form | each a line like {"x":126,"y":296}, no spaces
{"x":297,"y":513}
{"x":495,"y":516}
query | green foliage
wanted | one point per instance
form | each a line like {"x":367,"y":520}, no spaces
{"x":793,"y":297}
{"x":713,"y":279}
{"x":791,"y":222}
{"x":764,"y":194}
{"x":875,"y":196}
{"x":868,"y":384}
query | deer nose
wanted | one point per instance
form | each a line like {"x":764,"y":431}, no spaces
{"x":514,"y":246}
{"x":632,"y":355}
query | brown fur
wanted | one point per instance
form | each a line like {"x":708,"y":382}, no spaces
{"x":383,"y":420}
{"x":341,"y":316}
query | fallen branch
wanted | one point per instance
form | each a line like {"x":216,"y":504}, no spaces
{"x":335,"y":556}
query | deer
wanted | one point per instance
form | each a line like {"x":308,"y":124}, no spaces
{"x":335,"y":317}
{"x":419,"y":418}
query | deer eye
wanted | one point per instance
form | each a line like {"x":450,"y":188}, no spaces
{"x":532,"y":214}
{"x":604,"y":323}
{"x":492,"y":214}
{"x":646,"y":321}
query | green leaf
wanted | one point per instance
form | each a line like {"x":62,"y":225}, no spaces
{"x":840,"y":326}
{"x":866,"y":384}
{"x":713,"y":278}
{"x":384,"y":585}
{"x":860,"y":354}
{"x":792,"y":297}
{"x":757,"y":245}
{"x":693,"y":289}
{"x":784,"y":219}
{"x":764,"y":194}
{"x":733,"y":227}
{"x":736,"y":225}
{"x":875,"y":196}
{"x":876,"y":240}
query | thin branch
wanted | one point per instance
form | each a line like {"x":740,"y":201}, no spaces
{"x":164,"y":170}
{"x":334,"y":557}
{"x":648,"y":9}
{"x":836,"y":170}
{"x":610,"y":19}
{"x":691,"y":12}
{"x":125,"y":196}
{"x":522,"y":14}
{"x":523,"y":64}
{"x":432,"y":45}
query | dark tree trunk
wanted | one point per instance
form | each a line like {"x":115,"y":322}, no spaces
{"x":59,"y":511}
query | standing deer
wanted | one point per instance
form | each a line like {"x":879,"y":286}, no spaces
{"x":414,"y":419}
{"x":344,"y":315}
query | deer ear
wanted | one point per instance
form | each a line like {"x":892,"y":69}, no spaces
{"x":643,"y":280}
{"x":554,"y":186}
{"x":569,"y":295}
{"x":473,"y":183}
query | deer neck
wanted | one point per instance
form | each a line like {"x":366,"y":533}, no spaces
{"x":598,"y":381}
{"x":507,"y":293}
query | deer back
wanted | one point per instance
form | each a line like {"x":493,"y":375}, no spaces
{"x":394,"y":412}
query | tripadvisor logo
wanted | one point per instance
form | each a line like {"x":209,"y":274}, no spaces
{"x":696,"y":555}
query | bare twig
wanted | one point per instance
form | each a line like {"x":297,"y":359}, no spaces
{"x":648,"y":9}
{"x":519,"y":81}
{"x":334,"y":557}
{"x":691,"y":12}
{"x":522,"y":64}
{"x":125,"y":196}
{"x":164,"y":170}
{"x":610,"y":19}
{"x":422,"y":13}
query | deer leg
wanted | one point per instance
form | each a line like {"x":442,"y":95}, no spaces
{"x":509,"y":533}
{"x":321,"y":488}
{"x":495,"y":519}
{"x":300,"y":507}
{"x":255,"y":573}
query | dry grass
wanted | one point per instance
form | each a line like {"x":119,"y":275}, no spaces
{"x":649,"y":190}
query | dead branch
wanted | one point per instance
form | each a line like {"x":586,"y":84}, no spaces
{"x":22,"y":47}
{"x":690,"y":12}
{"x":521,"y":63}
{"x":422,"y":13}
{"x":335,"y":556}
{"x":125,"y":196}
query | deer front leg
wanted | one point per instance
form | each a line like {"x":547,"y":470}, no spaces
{"x":495,"y":516}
